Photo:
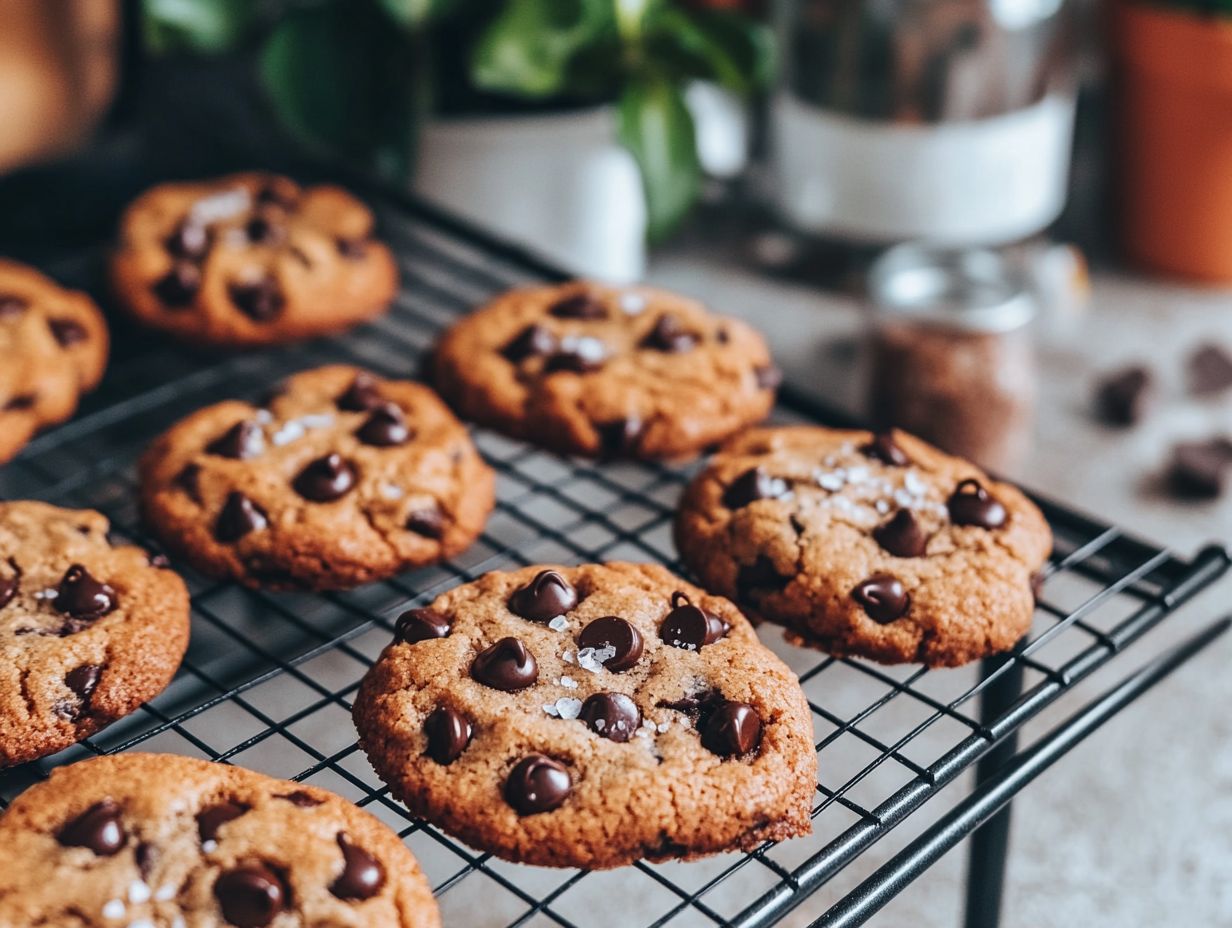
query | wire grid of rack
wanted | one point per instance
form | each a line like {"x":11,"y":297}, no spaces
{"x":269,"y":678}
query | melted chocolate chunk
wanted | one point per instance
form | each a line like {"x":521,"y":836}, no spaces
{"x":81,"y":596}
{"x":544,"y":598}
{"x":362,"y":874}
{"x":251,"y":896}
{"x":178,"y":287}
{"x":428,"y":521}
{"x":260,"y":300}
{"x":12,"y":306}
{"x":537,"y":784}
{"x":670,"y":335}
{"x":83,"y":681}
{"x":902,"y":535}
{"x":534,"y":341}
{"x":759,"y":577}
{"x":242,"y":442}
{"x":580,"y":354}
{"x":189,"y":240}
{"x":146,"y":856}
{"x":416,"y":625}
{"x":188,"y":480}
{"x":211,"y":819}
{"x":690,"y":627}
{"x":751,"y":486}
{"x":618,"y":438}
{"x":385,"y":427}
{"x":362,"y":395}
{"x":448,"y":732}
{"x":20,"y":402}
{"x":98,"y":829}
{"x":67,"y":332}
{"x":971,"y":504}
{"x":301,"y":799}
{"x":579,"y":306}
{"x":885,"y":449}
{"x":239,"y":517}
{"x":506,"y":665}
{"x":611,"y":715}
{"x":326,"y":479}
{"x":265,"y":229}
{"x":619,"y":634}
{"x":882,"y":597}
{"x":731,"y":730}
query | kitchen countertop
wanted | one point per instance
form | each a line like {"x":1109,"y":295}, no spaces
{"x":1134,"y":828}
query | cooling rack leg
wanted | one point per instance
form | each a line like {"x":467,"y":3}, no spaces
{"x":989,"y":848}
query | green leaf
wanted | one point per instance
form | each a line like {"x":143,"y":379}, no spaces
{"x":656,"y":127}
{"x":729,"y":48}
{"x":198,"y":26}
{"x":340,"y":79}
{"x":528,"y":49}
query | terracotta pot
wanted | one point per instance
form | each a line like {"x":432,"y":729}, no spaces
{"x":1175,"y":140}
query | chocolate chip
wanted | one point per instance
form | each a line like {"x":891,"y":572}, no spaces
{"x":251,"y":896}
{"x":537,"y":784}
{"x":239,"y":517}
{"x":1199,"y":469}
{"x":242,"y":442}
{"x":723,"y":336}
{"x":362,"y":874}
{"x":80,"y":596}
{"x":260,"y":300}
{"x":386,"y":427}
{"x":579,"y":354}
{"x":212,"y":818}
{"x":10,"y":585}
{"x":353,"y":249}
{"x":12,"y":305}
{"x":669,"y":335}
{"x":544,"y":598}
{"x":882,"y":598}
{"x":188,"y":480}
{"x":83,"y":681}
{"x":278,"y":192}
{"x":264,"y":230}
{"x":189,"y":240}
{"x":1122,"y":398}
{"x":534,"y":341}
{"x":971,"y":504}
{"x":420,"y":625}
{"x":902,"y":535}
{"x":301,"y":799}
{"x":67,"y":332}
{"x":768,"y":377}
{"x":751,"y":486}
{"x":690,"y":627}
{"x":579,"y":306}
{"x":448,"y":733}
{"x":885,"y":449}
{"x":506,"y":665}
{"x":428,"y":521}
{"x":362,"y":395}
{"x":611,"y":715}
{"x":179,"y":285}
{"x":21,"y":401}
{"x":146,"y":856}
{"x":612,"y":631}
{"x":98,"y":829}
{"x":732,"y":729}
{"x":326,"y":479}
{"x":1210,"y":370}
{"x":618,"y":438}
{"x":759,"y":577}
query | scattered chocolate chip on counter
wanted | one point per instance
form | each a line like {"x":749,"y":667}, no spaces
{"x":1199,"y":469}
{"x":1123,"y":397}
{"x":1209,"y":370}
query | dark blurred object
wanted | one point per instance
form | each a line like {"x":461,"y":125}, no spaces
{"x":1122,"y":398}
{"x":1174,"y":141}
{"x":59,"y":70}
{"x":1210,"y":370}
{"x":1199,"y":469}
{"x":953,"y":357}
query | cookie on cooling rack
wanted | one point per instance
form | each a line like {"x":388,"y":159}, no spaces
{"x":341,"y":479}
{"x":876,"y":545}
{"x":156,"y":839}
{"x":88,"y":630}
{"x":251,"y":259}
{"x":53,"y":348}
{"x":590,"y":716}
{"x":588,"y":369}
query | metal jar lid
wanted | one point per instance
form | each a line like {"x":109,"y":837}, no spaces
{"x":973,"y":290}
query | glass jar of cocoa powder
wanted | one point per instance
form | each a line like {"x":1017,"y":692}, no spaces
{"x":952,"y":351}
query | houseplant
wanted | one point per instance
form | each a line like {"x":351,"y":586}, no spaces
{"x":1174,"y":148}
{"x":365,"y":79}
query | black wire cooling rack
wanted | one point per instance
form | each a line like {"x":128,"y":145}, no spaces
{"x":269,"y":678}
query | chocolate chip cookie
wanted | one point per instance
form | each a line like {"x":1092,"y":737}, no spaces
{"x":88,"y":630}
{"x":342,"y":478}
{"x":588,"y":369}
{"x":251,"y":259}
{"x":155,"y":839}
{"x":589,"y":716}
{"x":876,"y":545}
{"x":53,"y":348}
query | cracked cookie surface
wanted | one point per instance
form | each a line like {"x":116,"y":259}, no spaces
{"x":590,"y":716}
{"x":162,"y":841}
{"x":873,"y":545}
{"x":583,"y":368}
{"x":88,"y":630}
{"x":251,"y":259}
{"x":53,"y":348}
{"x":341,"y":479}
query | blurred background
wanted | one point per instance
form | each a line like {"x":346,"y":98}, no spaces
{"x":1003,"y":224}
